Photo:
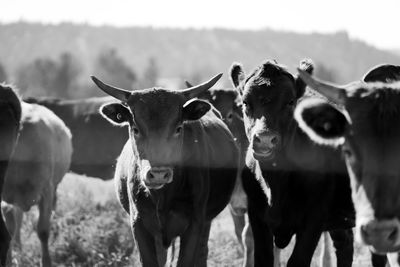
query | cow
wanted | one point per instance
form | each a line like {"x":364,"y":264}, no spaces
{"x":305,"y":189}
{"x":88,"y":129}
{"x":41,"y":158}
{"x":361,"y":120}
{"x":225,"y":100}
{"x":10,"y":108}
{"x":176,"y":172}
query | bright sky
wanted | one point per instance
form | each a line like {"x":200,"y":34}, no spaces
{"x":377,"y":22}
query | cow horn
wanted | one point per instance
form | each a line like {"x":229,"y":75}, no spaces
{"x":188,"y":84}
{"x":333,"y":93}
{"x":198,"y":89}
{"x":116,"y":92}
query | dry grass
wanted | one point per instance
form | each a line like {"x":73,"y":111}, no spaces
{"x":89,"y":228}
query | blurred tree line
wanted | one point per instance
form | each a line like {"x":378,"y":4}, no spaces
{"x":61,"y":77}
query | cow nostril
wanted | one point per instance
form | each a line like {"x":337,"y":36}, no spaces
{"x":393,"y":235}
{"x":150,"y":175}
{"x":256,"y":140}
{"x":274,"y":140}
{"x":166,"y":176}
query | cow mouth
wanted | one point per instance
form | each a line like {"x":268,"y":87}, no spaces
{"x":154,"y":186}
{"x":157,"y":185}
{"x":264,"y":154}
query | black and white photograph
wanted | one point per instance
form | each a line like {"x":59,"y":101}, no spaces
{"x":199,"y":133}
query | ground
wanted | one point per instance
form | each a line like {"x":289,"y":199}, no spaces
{"x":89,"y":228}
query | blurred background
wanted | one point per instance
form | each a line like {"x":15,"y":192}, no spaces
{"x":51,"y":47}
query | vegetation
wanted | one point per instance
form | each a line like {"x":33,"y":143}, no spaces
{"x":89,"y":228}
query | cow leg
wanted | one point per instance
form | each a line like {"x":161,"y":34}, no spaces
{"x":306,"y":242}
{"x":263,"y":239}
{"x":190,"y":243}
{"x":203,"y":246}
{"x":248,"y":260}
{"x":343,"y":240}
{"x":43,"y":226}
{"x":378,"y":260}
{"x":10,"y":224}
{"x":239,"y":224}
{"x":5,"y":240}
{"x":162,"y":253}
{"x":393,"y":259}
{"x":326,"y":258}
{"x":146,"y":244}
{"x":18,"y":216}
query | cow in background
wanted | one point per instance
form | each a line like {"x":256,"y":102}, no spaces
{"x":176,"y":172}
{"x":10,"y":109}
{"x":362,"y":107}
{"x":305,"y":187}
{"x":225,"y":100}
{"x":88,"y":130}
{"x":41,"y":158}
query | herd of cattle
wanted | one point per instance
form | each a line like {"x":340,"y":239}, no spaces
{"x":298,"y":155}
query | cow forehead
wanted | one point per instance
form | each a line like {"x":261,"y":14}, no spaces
{"x":375,"y":123}
{"x":156,"y":107}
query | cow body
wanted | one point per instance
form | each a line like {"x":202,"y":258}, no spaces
{"x":225,"y":100}
{"x":362,"y":120}
{"x":89,"y":130}
{"x":10,"y":109}
{"x":176,"y":172}
{"x":41,"y":159}
{"x":304,"y":188}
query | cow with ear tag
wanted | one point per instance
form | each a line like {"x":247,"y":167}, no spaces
{"x":176,"y":172}
{"x":362,"y":119}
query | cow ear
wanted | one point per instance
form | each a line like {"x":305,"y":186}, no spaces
{"x":308,"y":66}
{"x":116,"y":113}
{"x":237,"y":75}
{"x":194,"y":109}
{"x":322,"y":122}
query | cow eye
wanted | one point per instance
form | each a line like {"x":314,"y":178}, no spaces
{"x":135,"y":130}
{"x":347,"y":152}
{"x":178,"y":130}
{"x":291,"y":103}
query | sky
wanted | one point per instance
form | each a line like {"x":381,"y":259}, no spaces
{"x":376,"y":22}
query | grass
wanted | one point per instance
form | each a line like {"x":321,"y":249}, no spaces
{"x":89,"y":228}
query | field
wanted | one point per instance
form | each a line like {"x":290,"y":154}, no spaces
{"x":89,"y":228}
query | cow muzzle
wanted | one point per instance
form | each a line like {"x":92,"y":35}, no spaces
{"x":264,"y":145}
{"x":382,"y":235}
{"x":157,"y":177}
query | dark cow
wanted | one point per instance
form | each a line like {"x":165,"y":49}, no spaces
{"x":306,"y":187}
{"x":10,"y":109}
{"x":225,"y":100}
{"x":41,"y":158}
{"x":89,"y":129}
{"x":362,"y":120}
{"x":176,"y":172}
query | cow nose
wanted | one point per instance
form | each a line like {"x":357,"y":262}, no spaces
{"x":159,"y":175}
{"x":383,"y":235}
{"x":267,"y":140}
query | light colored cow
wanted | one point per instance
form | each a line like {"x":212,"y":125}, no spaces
{"x":42,"y":157}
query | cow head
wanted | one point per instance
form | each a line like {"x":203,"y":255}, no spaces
{"x":224,"y":100}
{"x":363,"y":119}
{"x":156,"y":119}
{"x":268,"y":96}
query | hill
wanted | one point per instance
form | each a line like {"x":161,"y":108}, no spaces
{"x":188,"y":52}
